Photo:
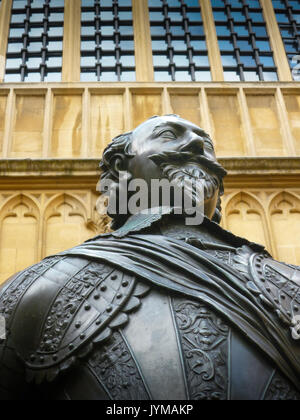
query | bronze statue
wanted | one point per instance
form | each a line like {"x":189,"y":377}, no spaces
{"x":156,"y":309}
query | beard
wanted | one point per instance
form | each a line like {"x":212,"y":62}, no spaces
{"x":193,"y":179}
{"x":196,"y":176}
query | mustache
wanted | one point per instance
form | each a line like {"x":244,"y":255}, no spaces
{"x":181,"y":158}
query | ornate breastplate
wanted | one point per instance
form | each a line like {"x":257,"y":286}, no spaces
{"x":212,"y":363}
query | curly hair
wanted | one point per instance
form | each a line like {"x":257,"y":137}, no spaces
{"x":119,"y":147}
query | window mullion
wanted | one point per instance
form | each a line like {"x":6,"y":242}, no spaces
{"x":71,"y":43}
{"x":212,"y":41}
{"x":142,"y":41}
{"x":283,"y":68}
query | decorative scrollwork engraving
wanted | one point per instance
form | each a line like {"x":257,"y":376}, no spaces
{"x":204,"y":339}
{"x":281,"y":390}
{"x":224,"y":256}
{"x":117,"y":370}
{"x":67,"y":303}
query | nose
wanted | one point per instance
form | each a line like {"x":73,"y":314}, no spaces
{"x":195,"y":144}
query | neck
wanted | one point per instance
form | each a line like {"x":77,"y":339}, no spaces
{"x":176,"y":227}
{"x":166,"y":223}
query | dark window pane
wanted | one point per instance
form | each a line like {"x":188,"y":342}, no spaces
{"x":229,"y":60}
{"x":19,"y":4}
{"x":267,"y":61}
{"x":201,"y":61}
{"x":288,"y":17}
{"x":178,"y":41}
{"x":240,"y":39}
{"x":182,"y":76}
{"x":127,"y":60}
{"x":241,"y":30}
{"x":33,"y":77}
{"x":128,"y":76}
{"x":38,"y":4}
{"x":220,"y":16}
{"x":257,"y":17}
{"x":175,"y":17}
{"x":238,"y":17}
{"x":176,"y":30}
{"x":154,"y":3}
{"x":181,"y":60}
{"x":179,"y":45}
{"x":88,"y":61}
{"x":248,"y":61}
{"x":263,"y":45}
{"x":251,"y":76}
{"x":109,"y":76}
{"x":88,"y":77}
{"x":18,"y":18}
{"x":244,"y":45}
{"x":203,"y":76}
{"x":87,"y":31}
{"x":197,"y":30}
{"x":199,"y":46}
{"x":126,"y":30}
{"x":162,"y":76}
{"x":14,"y":47}
{"x":270,"y":76}
{"x":159,"y":45}
{"x":36,"y":46}
{"x":226,"y":45}
{"x":260,"y":31}
{"x":107,"y":43}
{"x":107,"y":30}
{"x":161,"y":61}
{"x":13,"y":78}
{"x":231,"y":76}
{"x":223,"y":30}
{"x":13,"y":63}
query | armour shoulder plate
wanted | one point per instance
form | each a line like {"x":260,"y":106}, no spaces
{"x":58,"y":309}
{"x":278,"y":287}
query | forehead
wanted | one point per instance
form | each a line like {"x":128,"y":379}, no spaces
{"x":179,"y":124}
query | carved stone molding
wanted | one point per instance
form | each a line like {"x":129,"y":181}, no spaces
{"x":90,"y":167}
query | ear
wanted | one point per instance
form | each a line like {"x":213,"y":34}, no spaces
{"x":117,"y":166}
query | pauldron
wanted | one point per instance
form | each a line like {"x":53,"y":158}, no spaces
{"x":278,"y":287}
{"x":79,"y":305}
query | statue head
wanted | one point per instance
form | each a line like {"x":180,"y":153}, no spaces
{"x":166,"y":147}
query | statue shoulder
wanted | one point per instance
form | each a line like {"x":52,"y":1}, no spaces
{"x":16,"y":287}
{"x":278,"y":287}
{"x":58,"y":308}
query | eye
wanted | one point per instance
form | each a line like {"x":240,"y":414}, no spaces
{"x":208,"y":145}
{"x":168,"y":134}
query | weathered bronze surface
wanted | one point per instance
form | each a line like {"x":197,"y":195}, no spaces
{"x":157,"y":309}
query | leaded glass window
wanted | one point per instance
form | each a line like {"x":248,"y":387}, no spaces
{"x":178,"y":41}
{"x":288,"y":18}
{"x":35,"y":43}
{"x":243,"y":40}
{"x":107,"y":41}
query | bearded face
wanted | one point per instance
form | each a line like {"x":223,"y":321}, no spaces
{"x":173,"y":149}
